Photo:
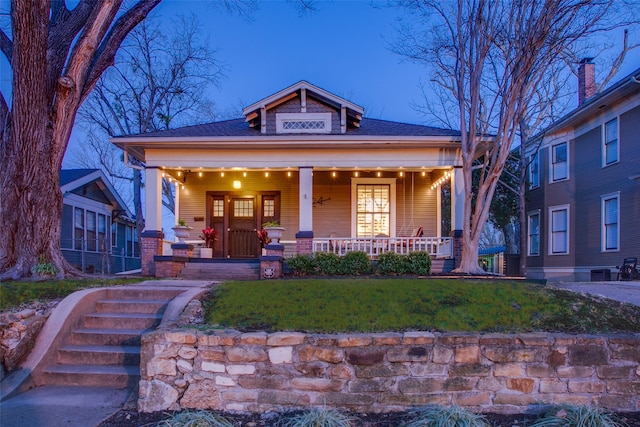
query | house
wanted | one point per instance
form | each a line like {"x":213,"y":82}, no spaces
{"x":98,"y":233}
{"x":583,"y":198}
{"x":309,"y":160}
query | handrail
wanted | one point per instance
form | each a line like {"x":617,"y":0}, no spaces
{"x":440,"y":247}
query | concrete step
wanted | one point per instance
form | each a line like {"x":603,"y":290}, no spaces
{"x":121,"y":320}
{"x":146,"y":293}
{"x":99,"y":355}
{"x":221,"y":271}
{"x":107,"y":336}
{"x":131,"y":306}
{"x":92,"y":375}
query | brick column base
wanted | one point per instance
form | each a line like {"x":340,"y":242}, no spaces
{"x":304,"y":242}
{"x":271,"y":263}
{"x":457,"y":246}
{"x":150,"y":246}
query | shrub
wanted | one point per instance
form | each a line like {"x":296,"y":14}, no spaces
{"x":328,"y":263}
{"x":302,"y":265}
{"x":317,"y":417}
{"x":355,"y":263}
{"x":576,"y":415}
{"x":454,"y":416}
{"x":44,"y":267}
{"x":419,"y":263}
{"x":196,"y":419}
{"x":392,"y":263}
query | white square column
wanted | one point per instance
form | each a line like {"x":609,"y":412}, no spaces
{"x":153,"y":199}
{"x":306,"y":198}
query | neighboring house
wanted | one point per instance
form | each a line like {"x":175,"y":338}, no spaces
{"x":98,"y":233}
{"x":583,"y":200}
{"x":308,"y":159}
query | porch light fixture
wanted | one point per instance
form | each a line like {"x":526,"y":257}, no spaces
{"x":237,"y":184}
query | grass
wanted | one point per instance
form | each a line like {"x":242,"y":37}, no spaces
{"x":578,"y":416}
{"x":377,"y":305}
{"x":441,"y":416}
{"x":13,"y":294}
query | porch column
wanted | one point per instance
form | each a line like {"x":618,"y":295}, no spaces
{"x":457,"y":212}
{"x":304,"y":237}
{"x":152,"y":236}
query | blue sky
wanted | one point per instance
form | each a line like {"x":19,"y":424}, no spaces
{"x":342,"y":48}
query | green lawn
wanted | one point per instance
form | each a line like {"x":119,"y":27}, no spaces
{"x":376,"y":305}
{"x":12,"y":294}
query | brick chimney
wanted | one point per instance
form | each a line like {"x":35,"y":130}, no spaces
{"x":586,"y":80}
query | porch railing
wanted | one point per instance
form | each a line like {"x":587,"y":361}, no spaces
{"x":436,"y":247}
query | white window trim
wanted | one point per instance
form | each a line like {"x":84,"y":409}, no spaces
{"x":354,"y":201}
{"x":529,"y":215}
{"x":603,"y":237}
{"x":303,"y":117}
{"x":535,"y":155}
{"x":550,"y":229}
{"x":551,"y":180}
{"x":604,"y":142}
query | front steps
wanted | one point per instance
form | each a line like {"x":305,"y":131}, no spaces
{"x":198,"y":269}
{"x":104,"y":350}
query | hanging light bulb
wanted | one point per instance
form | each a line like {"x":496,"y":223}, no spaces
{"x":200,"y":174}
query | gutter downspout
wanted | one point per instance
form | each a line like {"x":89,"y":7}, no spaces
{"x":128,"y":164}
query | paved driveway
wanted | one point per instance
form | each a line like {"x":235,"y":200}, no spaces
{"x":621,"y":291}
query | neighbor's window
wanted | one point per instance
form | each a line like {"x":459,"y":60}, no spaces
{"x":534,"y":171}
{"x":78,"y":224}
{"x":534,"y":234}
{"x":91,"y":231}
{"x":610,"y":148}
{"x":114,"y":234}
{"x":103,"y":243}
{"x":610,"y":220}
{"x":559,"y":162}
{"x":559,"y":230}
{"x":374,"y":210}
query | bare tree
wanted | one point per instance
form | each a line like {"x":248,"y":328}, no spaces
{"x":159,"y":81}
{"x":491,"y":56}
{"x":57,"y":55}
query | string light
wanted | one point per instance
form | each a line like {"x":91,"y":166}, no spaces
{"x":379,"y":174}
{"x":441,"y":180}
{"x":424,"y":174}
{"x":200,"y":174}
{"x":179,"y":173}
{"x":333,"y":174}
{"x":357,"y":174}
{"x":222,"y":174}
{"x":244,"y":174}
{"x":401,"y":174}
{"x":289,"y":174}
{"x":266,"y":174}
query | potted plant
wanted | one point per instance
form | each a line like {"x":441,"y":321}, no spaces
{"x":209,"y":237}
{"x":181,"y":230}
{"x":273,"y":229}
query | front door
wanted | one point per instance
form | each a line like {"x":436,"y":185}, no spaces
{"x":243,"y":241}
{"x":237,"y":218}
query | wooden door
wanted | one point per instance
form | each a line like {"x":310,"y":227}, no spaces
{"x":243,"y":240}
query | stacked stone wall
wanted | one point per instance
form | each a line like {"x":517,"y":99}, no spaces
{"x":258,"y":372}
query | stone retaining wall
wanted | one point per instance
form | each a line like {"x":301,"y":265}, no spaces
{"x":258,"y":372}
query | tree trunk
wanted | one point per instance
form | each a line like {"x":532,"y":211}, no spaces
{"x":137,"y":202}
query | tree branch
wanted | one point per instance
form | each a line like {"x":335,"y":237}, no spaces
{"x":106,"y":52}
{"x":6,"y":46}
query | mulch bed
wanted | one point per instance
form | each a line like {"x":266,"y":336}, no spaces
{"x":131,"y":418}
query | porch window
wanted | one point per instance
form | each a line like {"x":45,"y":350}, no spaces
{"x":103,"y":243}
{"x":91,"y":231}
{"x":374,"y":210}
{"x":78,"y":224}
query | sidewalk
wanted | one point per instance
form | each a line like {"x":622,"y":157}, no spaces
{"x":628,"y":292}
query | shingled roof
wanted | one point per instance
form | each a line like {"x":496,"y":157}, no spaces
{"x":240,"y":128}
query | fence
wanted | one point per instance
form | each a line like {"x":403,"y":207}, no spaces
{"x":96,"y":256}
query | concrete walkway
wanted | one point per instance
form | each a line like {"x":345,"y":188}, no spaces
{"x":57,"y":406}
{"x":628,"y":292}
